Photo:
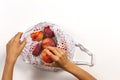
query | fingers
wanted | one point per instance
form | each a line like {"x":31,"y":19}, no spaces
{"x":56,"y":53}
{"x":61,"y":51}
{"x":18,"y":36}
{"x":54,"y":50}
{"x":14,"y":38}
{"x":51,"y":54}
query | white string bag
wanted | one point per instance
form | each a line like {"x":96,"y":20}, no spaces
{"x":64,"y":41}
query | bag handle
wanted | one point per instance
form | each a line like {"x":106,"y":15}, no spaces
{"x":82,"y":48}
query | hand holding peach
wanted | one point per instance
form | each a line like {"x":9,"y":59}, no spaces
{"x":59,"y":56}
{"x":45,"y":57}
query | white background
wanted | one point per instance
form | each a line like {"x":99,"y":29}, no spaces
{"x":94,"y":23}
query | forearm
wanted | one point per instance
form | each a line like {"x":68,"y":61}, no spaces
{"x":8,"y":70}
{"x":78,"y":72}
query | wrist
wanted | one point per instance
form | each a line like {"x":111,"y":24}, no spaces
{"x":68,"y":65}
{"x":10,"y":60}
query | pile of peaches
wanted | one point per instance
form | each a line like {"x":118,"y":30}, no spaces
{"x":47,"y":37}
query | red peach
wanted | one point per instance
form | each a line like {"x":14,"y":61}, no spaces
{"x":37,"y":50}
{"x":48,"y":42}
{"x":46,"y":57}
{"x":48,"y":32}
{"x":37,"y":36}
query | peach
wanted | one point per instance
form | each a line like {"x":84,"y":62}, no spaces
{"x":37,"y":50}
{"x":48,"y":42}
{"x":46,"y":58}
{"x":37,"y":36}
{"x":48,"y":32}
